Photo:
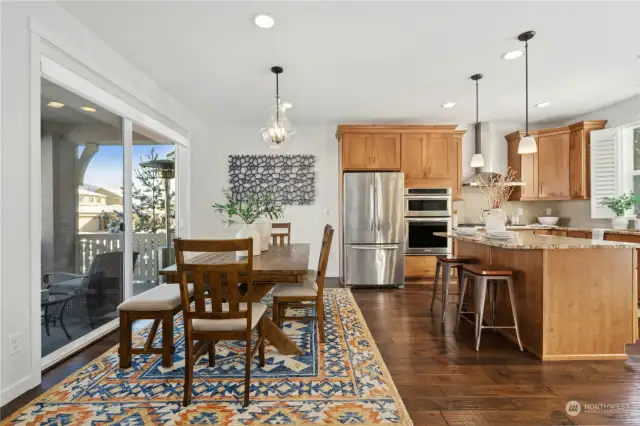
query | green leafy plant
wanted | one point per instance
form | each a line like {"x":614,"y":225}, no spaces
{"x":619,"y":205}
{"x":248,"y":209}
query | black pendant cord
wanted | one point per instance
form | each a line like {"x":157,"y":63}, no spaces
{"x":526,"y":82}
{"x":277,"y":99}
{"x":477,"y":103}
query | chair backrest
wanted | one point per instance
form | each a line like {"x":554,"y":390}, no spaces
{"x":216,"y":262}
{"x":110,"y":264}
{"x":280,"y":236}
{"x":327,"y":238}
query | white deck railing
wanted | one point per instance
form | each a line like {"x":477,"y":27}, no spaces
{"x":90,"y":244}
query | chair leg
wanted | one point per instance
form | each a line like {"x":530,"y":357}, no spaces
{"x":514,"y":309}
{"x":435,"y":286}
{"x":482,"y":282}
{"x":125,"y":340}
{"x":212,"y":353}
{"x":446,"y":278}
{"x":282,"y":306}
{"x":463,"y":288}
{"x":261,"y":339}
{"x":320,"y":317}
{"x":247,"y":374}
{"x":275,"y":310}
{"x":188,"y":364}
{"x":167,"y":339}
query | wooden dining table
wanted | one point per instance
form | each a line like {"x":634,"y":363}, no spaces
{"x":286,"y":263}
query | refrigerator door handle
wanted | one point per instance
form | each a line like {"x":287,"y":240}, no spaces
{"x":378,"y":201}
{"x":371,"y":203}
{"x":373,"y":247}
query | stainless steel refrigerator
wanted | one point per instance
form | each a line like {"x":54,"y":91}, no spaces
{"x":373,"y":229}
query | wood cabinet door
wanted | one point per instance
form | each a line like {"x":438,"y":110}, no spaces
{"x":441,"y":157}
{"x":553,"y":166}
{"x":515,"y":164}
{"x":578,"y":165}
{"x":413,"y":148}
{"x":356,"y":151}
{"x":385,"y":152}
{"x":528,"y":174}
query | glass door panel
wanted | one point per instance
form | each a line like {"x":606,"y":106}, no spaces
{"x":82,"y":208}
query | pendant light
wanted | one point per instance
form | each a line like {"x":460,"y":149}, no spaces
{"x":477,"y":160}
{"x":527,"y":144}
{"x":278,"y":133}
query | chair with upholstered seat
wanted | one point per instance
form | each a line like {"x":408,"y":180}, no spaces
{"x":288,"y":295}
{"x":231,"y":320}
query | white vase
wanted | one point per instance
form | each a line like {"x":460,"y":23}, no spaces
{"x":264,"y":229}
{"x":620,"y":222}
{"x":495,"y":220}
{"x":249,"y":231}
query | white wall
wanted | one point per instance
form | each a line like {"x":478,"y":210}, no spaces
{"x":111,"y":72}
{"x":209,"y":174}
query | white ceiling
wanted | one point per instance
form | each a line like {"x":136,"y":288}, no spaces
{"x":377,"y":61}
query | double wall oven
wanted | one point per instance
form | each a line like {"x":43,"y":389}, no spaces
{"x":427,"y":210}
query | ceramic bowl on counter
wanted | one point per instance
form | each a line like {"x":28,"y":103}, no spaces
{"x":548,"y":220}
{"x":467,"y":230}
{"x":502,"y":235}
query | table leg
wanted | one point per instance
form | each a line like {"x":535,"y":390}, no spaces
{"x":279,"y":339}
{"x":46,"y":320}
{"x":63,"y":327}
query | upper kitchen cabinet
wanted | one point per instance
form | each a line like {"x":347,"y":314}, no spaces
{"x":560,"y":169}
{"x":371,"y":152}
{"x":429,"y":155}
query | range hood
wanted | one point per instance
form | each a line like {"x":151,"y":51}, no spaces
{"x":486,"y":143}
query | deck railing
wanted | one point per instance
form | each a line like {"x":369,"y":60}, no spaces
{"x":90,"y":244}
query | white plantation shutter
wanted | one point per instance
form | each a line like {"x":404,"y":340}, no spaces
{"x":606,"y":170}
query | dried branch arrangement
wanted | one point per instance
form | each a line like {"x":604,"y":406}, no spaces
{"x":498,"y":189}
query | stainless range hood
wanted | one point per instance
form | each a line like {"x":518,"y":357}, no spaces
{"x":487,"y":146}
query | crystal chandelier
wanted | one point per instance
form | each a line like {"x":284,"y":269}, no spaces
{"x":278,"y":133}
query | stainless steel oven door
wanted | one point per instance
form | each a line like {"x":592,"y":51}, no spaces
{"x":419,"y":238}
{"x":427,"y":205}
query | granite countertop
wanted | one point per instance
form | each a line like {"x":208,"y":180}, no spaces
{"x":563,"y":228}
{"x":527,"y":241}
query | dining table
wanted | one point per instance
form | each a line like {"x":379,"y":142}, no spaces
{"x":285,"y":263}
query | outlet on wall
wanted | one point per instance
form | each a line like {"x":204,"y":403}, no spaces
{"x":14,"y":343}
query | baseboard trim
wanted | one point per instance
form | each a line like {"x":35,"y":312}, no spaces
{"x":18,"y":388}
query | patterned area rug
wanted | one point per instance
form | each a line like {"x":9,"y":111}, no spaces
{"x":341,"y":382}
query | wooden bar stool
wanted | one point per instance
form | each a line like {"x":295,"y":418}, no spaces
{"x":446,"y":262}
{"x":487,"y":277}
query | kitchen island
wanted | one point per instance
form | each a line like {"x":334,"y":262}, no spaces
{"x":576,"y":297}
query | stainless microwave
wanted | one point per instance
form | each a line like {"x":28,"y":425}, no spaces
{"x":427,"y":202}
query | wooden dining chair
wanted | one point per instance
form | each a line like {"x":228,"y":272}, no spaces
{"x":299,"y":295}
{"x":280,"y":236}
{"x":230,"y":320}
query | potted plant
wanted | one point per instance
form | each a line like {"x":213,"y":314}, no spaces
{"x":619,"y":206}
{"x":246,"y":211}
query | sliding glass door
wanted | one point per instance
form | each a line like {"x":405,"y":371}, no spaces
{"x":108,"y":208}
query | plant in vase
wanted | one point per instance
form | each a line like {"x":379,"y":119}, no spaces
{"x":619,"y":206}
{"x":247,"y":211}
{"x":497,"y":190}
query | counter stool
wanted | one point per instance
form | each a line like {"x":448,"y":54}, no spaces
{"x":446,"y":262}
{"x":487,"y":277}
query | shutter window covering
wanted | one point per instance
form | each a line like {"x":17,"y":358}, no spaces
{"x":606,"y":170}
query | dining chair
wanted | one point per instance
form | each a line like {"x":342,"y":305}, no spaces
{"x":280,"y":236}
{"x":230,"y":320}
{"x":299,"y":295}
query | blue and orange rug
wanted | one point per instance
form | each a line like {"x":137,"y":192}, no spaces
{"x":341,"y":382}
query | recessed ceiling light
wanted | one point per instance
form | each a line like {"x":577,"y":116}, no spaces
{"x":264,"y":21}
{"x":54,"y":104}
{"x":449,"y":105}
{"x":287,"y":105}
{"x":512,"y":55}
{"x":88,"y":109}
{"x":543,"y":104}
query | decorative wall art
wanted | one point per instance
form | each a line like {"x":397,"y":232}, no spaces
{"x":289,"y":178}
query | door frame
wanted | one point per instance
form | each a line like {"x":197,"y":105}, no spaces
{"x":44,"y":66}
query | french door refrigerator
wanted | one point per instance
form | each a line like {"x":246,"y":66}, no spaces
{"x":373,"y":229}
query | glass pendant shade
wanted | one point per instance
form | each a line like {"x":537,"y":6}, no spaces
{"x":278,"y":133}
{"x":477,"y":160}
{"x":527,"y":145}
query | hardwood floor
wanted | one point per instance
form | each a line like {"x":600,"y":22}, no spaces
{"x":443,"y":381}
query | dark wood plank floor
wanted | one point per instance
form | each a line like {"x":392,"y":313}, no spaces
{"x":443,"y":381}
